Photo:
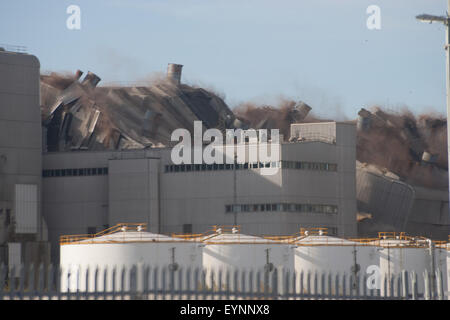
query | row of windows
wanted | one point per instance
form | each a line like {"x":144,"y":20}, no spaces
{"x":282,"y":207}
{"x":240,"y":166}
{"x":75,"y":172}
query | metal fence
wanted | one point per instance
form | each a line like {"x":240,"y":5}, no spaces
{"x":153,"y":282}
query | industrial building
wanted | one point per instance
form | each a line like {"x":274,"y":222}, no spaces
{"x":85,"y":192}
{"x":77,"y":158}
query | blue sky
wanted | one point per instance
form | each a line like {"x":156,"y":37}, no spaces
{"x":318,"y":51}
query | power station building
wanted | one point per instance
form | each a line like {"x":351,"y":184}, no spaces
{"x":86,"y":192}
{"x":44,"y":195}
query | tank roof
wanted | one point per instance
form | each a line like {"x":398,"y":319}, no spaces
{"x":235,"y":238}
{"x":323,"y":240}
{"x":120,"y":233}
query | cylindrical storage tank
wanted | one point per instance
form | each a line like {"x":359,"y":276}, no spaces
{"x":174,"y":72}
{"x":123,"y":247}
{"x":231,"y":252}
{"x":397,"y":255}
{"x":321,"y":255}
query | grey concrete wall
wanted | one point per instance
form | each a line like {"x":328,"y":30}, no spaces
{"x":137,"y":189}
{"x":134,"y":192}
{"x":20,"y":130}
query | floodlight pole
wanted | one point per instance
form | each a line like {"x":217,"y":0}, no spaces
{"x":446,"y":21}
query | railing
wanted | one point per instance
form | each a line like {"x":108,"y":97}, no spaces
{"x":13,"y":48}
{"x":153,"y":282}
{"x":78,"y":238}
{"x":314,"y":137}
{"x":385,"y":239}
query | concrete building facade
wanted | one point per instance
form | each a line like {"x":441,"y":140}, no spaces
{"x":85,"y":192}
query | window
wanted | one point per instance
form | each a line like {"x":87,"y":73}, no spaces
{"x":284,"y":207}
{"x":74,"y":172}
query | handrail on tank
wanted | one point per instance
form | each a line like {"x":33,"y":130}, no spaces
{"x":313,"y":231}
{"x":70,"y":239}
{"x":216,"y":229}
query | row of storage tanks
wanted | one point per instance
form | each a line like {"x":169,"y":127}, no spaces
{"x":225,"y":248}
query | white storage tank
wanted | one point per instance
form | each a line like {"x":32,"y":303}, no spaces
{"x":401,"y":252}
{"x":316,"y":252}
{"x":227,"y":249}
{"x":123,"y":245}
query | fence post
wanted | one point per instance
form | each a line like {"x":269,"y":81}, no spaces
{"x":50,"y":277}
{"x":301,"y":283}
{"x":196,"y":287}
{"x":114,"y":281}
{"x":275,"y":284}
{"x":180,"y":283}
{"x":329,"y":284}
{"x":40,"y":287}
{"x":155,"y":283}
{"x":96,"y":287}
{"x":227,"y":283}
{"x":122,"y":281}
{"x":344,"y":284}
{"x":440,"y":285}
{"x":322,"y":284}
{"x":337,"y":285}
{"x":2,"y":280}
{"x":405,"y":284}
{"x":188,"y":282}
{"x":21,"y":280}
{"x":414,"y":285}
{"x":308,"y":283}
{"x":258,"y":282}
{"x":164,"y":282}
{"x":426,"y":285}
{"x":364,"y":287}
{"x":105,"y":282}
{"x":286,"y":282}
{"x":59,"y":274}
{"x":294,"y":285}
{"x":204,"y":288}
{"x":220,"y":283}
